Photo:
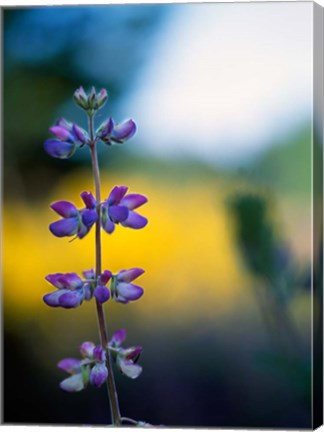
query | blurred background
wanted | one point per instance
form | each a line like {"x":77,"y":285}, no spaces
{"x":222,"y":97}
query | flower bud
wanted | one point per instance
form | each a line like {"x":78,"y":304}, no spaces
{"x":86,"y":349}
{"x":81,"y":98}
{"x":92,"y":99}
{"x":102,"y":97}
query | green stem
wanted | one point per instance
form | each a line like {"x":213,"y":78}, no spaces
{"x":111,"y":386}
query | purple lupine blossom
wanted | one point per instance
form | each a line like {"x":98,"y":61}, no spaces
{"x":75,"y":222}
{"x":71,"y":289}
{"x":126,"y":358}
{"x":92,"y":368}
{"x":101,"y":292}
{"x":109,"y":132}
{"x":69,"y":292}
{"x":122,"y":290}
{"x":118,"y":208}
{"x":68,"y":137}
{"x":79,"y":375}
{"x":99,"y":372}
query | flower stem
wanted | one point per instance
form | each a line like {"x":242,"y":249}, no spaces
{"x":111,"y":387}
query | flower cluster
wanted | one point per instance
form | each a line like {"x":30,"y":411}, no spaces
{"x":90,"y":102}
{"x":118,"y":208}
{"x":92,"y":367}
{"x":68,"y":137}
{"x":72,"y":290}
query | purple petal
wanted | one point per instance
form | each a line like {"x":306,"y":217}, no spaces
{"x":89,"y":274}
{"x":82,"y":231}
{"x":118,"y":213}
{"x":124,"y":131}
{"x":71,"y":280}
{"x":64,"y":280}
{"x":79,"y":133}
{"x":98,"y":375}
{"x":86,"y":349}
{"x":133,"y":353}
{"x":89,"y":200}
{"x":87,"y":293}
{"x":99,"y":354}
{"x":65,"y":227}
{"x":117,"y":194}
{"x":71,"y":299}
{"x":106,"y":223}
{"x":134,"y":221}
{"x":118,"y":337}
{"x":101,"y":293}
{"x":106,"y":128}
{"x":128,"y":368}
{"x":61,"y":133}
{"x":105,"y":277}
{"x":55,"y":280}
{"x":129,"y":275}
{"x":89,"y":217}
{"x":109,"y":226}
{"x":53,"y":299}
{"x":65,"y":209}
{"x":132,"y":201}
{"x":73,"y":384}
{"x":70,"y":365}
{"x":62,"y":122}
{"x":59,"y":149}
{"x":129,"y":291}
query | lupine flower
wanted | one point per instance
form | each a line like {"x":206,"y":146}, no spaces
{"x":122,"y":290}
{"x":101,"y":292}
{"x":68,"y":137}
{"x":92,"y":368}
{"x":71,"y":290}
{"x":79,"y":375}
{"x":99,"y":372}
{"x":125,"y":358}
{"x":110,"y":132}
{"x":75,"y":222}
{"x":118,"y":208}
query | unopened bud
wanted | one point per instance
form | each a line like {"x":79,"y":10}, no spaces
{"x":92,"y":99}
{"x":81,"y":98}
{"x":101,"y":99}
